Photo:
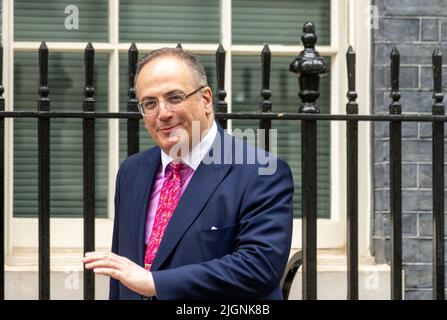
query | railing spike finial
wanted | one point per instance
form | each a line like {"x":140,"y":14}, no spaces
{"x":351,"y":107}
{"x":43,"y":72}
{"x":309,"y":37}
{"x":221,"y":93}
{"x":89,"y":57}
{"x":132,"y":64}
{"x":395,"y":107}
{"x":265,"y":103}
{"x":266,"y":49}
{"x":43,"y":46}
{"x":220,"y":48}
{"x":133,"y":135}
{"x":309,"y":67}
{"x":266,"y":55}
{"x":437,"y":80}
{"x":395,"y":65}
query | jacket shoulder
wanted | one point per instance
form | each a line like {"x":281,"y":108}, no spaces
{"x":142,"y":156}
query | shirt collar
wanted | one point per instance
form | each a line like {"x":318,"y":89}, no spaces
{"x":200,"y":150}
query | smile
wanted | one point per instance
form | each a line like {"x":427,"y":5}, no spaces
{"x":168,"y":129}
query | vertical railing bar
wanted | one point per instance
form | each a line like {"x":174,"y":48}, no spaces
{"x":89,"y":169}
{"x":133,"y":125}
{"x":265,"y":104}
{"x":396,"y":180}
{"x":352,"y":180}
{"x":2,"y":183}
{"x":221,"y":93}
{"x":43,"y":136}
{"x":438,"y":180}
{"x":309,"y":204}
{"x":309,"y":66}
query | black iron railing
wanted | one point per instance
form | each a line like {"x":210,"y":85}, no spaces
{"x":309,"y":66}
{"x":352,"y":181}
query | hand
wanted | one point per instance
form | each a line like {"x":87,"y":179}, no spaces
{"x":122,"y":269}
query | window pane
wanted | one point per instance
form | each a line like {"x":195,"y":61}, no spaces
{"x":169,"y":21}
{"x":66,"y":83}
{"x":284,"y":87}
{"x":279,"y":22}
{"x":146,"y":141}
{"x":55,"y":20}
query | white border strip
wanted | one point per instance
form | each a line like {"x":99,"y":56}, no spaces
{"x":113,"y":97}
{"x":8,"y":78}
{"x":226,"y":29}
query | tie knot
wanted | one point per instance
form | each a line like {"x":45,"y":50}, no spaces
{"x":176,"y":167}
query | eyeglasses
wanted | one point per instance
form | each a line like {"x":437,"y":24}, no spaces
{"x":173,"y":102}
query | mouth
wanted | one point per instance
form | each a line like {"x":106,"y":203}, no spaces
{"x":168,"y":129}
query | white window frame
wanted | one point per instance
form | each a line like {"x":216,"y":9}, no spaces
{"x":347,"y":27}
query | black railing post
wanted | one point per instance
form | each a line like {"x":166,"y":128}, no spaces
{"x":133,"y":125}
{"x":438,"y":180}
{"x":396,"y":180}
{"x":221,"y":93}
{"x":266,"y":104}
{"x":352,"y":180}
{"x":89,"y":169}
{"x":2,"y":183}
{"x":309,"y":66}
{"x":43,"y":136}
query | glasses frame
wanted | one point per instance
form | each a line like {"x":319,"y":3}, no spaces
{"x":167,"y":105}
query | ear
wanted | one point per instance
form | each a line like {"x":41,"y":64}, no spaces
{"x":207,"y":96}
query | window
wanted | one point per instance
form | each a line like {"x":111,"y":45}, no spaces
{"x":160,"y":21}
{"x":278,"y":22}
{"x":46,"y":20}
{"x":66,"y":81}
{"x":242,"y":26}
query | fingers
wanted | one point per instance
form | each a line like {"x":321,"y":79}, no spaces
{"x":94,"y":256}
{"x":97,"y":255}
{"x":122,"y":269}
{"x":103,"y":263}
{"x":107,"y":264}
{"x":108,"y":272}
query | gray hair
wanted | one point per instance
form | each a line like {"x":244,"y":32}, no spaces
{"x":196,"y":67}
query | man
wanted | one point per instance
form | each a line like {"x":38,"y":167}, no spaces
{"x":187,"y":227}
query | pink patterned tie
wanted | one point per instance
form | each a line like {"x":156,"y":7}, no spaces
{"x":169,"y":197}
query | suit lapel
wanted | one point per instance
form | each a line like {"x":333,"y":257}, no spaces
{"x":201,"y":187}
{"x":147,"y":168}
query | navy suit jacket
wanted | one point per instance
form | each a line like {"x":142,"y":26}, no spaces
{"x":229,"y":237}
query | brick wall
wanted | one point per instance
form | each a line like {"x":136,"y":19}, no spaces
{"x":416,"y":27}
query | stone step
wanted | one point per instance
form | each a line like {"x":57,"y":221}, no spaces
{"x":66,"y":281}
{"x":374,"y":280}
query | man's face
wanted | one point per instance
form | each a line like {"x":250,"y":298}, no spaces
{"x":161,"y":78}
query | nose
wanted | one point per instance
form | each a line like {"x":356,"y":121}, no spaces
{"x":163,"y":112}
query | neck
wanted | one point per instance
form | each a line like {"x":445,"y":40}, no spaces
{"x":181,"y":150}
